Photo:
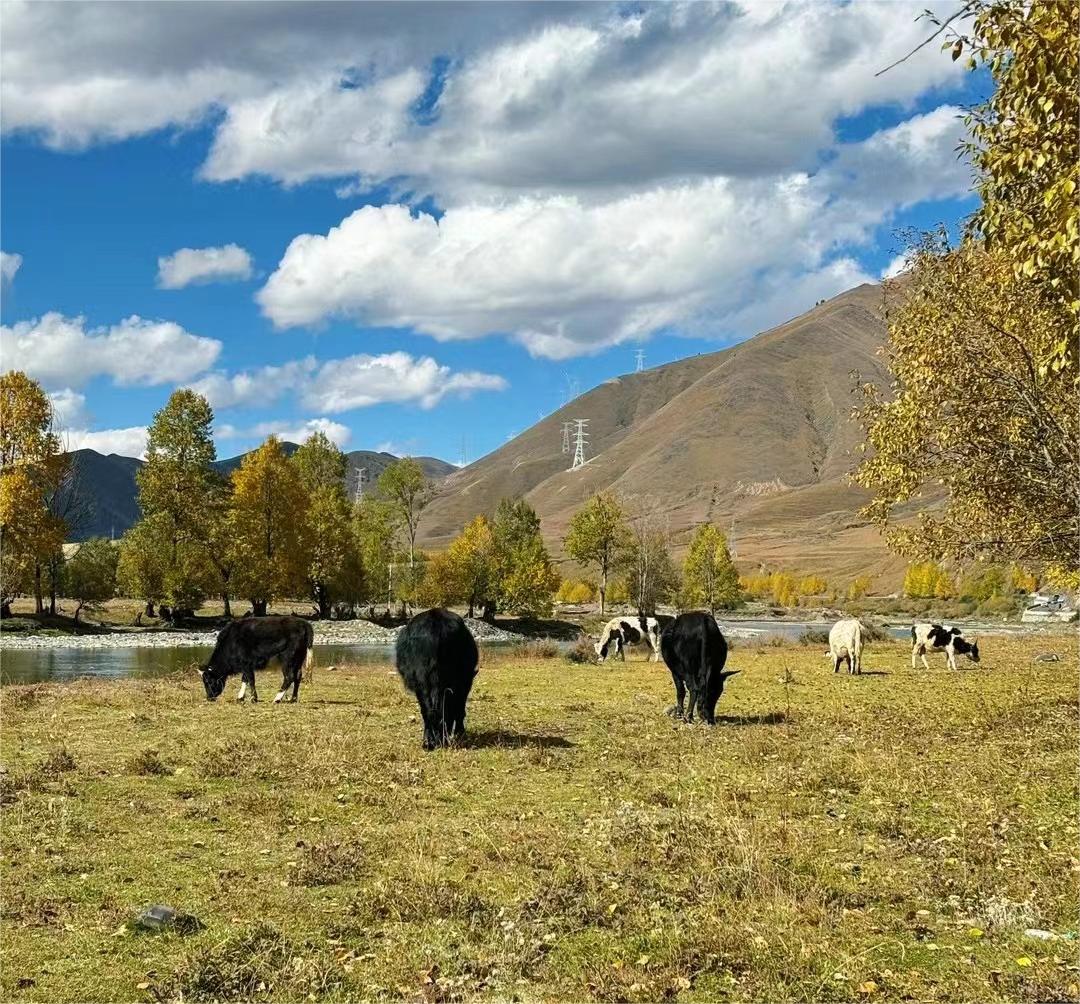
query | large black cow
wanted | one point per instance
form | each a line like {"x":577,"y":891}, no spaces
{"x":246,"y":645}
{"x":695,"y":652}
{"x":436,"y":656}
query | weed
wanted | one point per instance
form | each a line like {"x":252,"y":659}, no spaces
{"x":582,"y":652}
{"x":147,"y":763}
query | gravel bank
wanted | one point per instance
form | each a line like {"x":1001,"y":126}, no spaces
{"x":358,"y":632}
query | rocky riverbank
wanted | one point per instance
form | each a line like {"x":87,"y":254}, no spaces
{"x":357,"y":632}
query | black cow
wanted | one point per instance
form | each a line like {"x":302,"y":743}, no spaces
{"x":695,"y":652}
{"x":436,"y":656}
{"x":246,"y":645}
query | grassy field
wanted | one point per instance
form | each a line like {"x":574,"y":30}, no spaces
{"x":883,"y":837}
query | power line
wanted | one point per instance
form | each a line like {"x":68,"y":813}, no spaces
{"x":580,"y":438}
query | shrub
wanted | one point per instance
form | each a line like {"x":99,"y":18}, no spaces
{"x":581,"y":652}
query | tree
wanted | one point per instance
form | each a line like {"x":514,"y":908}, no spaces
{"x":1000,"y":433}
{"x":858,"y":587}
{"x":322,"y":468}
{"x":1024,"y":145}
{"x":375,"y":529}
{"x":91,"y":574}
{"x":142,"y":566}
{"x":407,"y":491}
{"x":471,"y":559}
{"x":649,"y":572}
{"x":526,"y":580}
{"x":710,"y":579}
{"x":176,"y":488}
{"x":598,"y":535}
{"x":927,"y":580}
{"x":220,"y":539}
{"x":269,"y":518}
{"x":31,"y":466}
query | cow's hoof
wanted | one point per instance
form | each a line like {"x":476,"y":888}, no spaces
{"x":673,"y":712}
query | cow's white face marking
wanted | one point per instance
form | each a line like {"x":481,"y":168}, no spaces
{"x":280,"y":695}
{"x":243,"y":691}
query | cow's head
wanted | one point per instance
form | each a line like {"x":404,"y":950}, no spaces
{"x":607,"y":639}
{"x":973,"y":650}
{"x":724,"y":677}
{"x":213,"y":683}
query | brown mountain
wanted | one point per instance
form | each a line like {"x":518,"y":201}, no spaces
{"x":757,"y":438}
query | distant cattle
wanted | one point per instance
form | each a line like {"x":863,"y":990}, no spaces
{"x":247,"y":645}
{"x":940,"y":638}
{"x":619,"y":632}
{"x":845,"y":643}
{"x":695,"y":652}
{"x":436,"y":656}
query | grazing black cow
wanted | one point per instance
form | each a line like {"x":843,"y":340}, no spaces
{"x":695,"y":652}
{"x":246,"y":645}
{"x":949,"y":640}
{"x":436,"y":656}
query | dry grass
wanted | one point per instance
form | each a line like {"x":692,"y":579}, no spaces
{"x":880,"y":837}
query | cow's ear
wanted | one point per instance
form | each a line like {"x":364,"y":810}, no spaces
{"x":200,"y":670}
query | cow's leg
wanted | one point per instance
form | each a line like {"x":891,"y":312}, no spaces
{"x":242,"y":692}
{"x":950,"y":657}
{"x":707,"y":709}
{"x":693,"y":702}
{"x":837,"y":659}
{"x":914,"y":652}
{"x":680,"y":697}
{"x":251,"y":685}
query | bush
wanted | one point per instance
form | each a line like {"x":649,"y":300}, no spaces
{"x":581,"y":652}
{"x":538,"y":648}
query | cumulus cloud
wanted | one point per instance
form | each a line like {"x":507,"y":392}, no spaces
{"x":62,"y":352}
{"x":565,"y":276}
{"x":9,"y":265}
{"x":126,"y":442}
{"x":896,"y":266}
{"x":69,"y":408}
{"x":200,"y":265}
{"x":338,"y":385}
{"x":289,"y":432}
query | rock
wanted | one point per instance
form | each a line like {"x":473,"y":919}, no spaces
{"x":1047,"y":657}
{"x":1038,"y":932}
{"x":161,"y":917}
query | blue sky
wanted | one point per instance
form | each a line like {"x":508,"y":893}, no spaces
{"x":547,"y":189}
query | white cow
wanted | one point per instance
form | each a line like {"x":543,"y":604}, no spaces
{"x":845,"y":642}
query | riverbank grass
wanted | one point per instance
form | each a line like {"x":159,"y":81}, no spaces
{"x":884,"y":837}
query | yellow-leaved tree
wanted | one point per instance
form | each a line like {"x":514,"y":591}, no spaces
{"x":710,"y":579}
{"x":269,"y":516}
{"x":31,"y":465}
{"x":599,"y":536}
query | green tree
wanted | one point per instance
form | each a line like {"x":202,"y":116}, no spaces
{"x":269,"y":527}
{"x":710,"y":579}
{"x":407,"y":491}
{"x":220,"y":549}
{"x":176,"y":489}
{"x":333,"y":545}
{"x":142,"y":566}
{"x":31,"y":465}
{"x":90,"y":575}
{"x":526,"y":580}
{"x":598,"y":535}
{"x":375,"y":529}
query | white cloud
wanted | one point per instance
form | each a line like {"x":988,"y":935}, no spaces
{"x":126,"y":442}
{"x":62,"y":351}
{"x":9,"y":265}
{"x":895,"y":267}
{"x":69,"y":408}
{"x":565,"y":276}
{"x":338,"y":385}
{"x":199,"y":265}
{"x":289,"y":432}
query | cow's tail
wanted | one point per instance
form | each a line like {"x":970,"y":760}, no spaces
{"x":309,"y":659}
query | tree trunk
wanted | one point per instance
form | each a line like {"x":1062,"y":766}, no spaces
{"x":39,"y":606}
{"x":258,"y":608}
{"x":472,"y":611}
{"x":76,"y":625}
{"x":5,"y":608}
{"x":149,"y":609}
{"x":228,"y":607}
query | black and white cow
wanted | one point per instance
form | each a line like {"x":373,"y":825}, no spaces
{"x":695,"y":652}
{"x":619,"y":632}
{"x":246,"y":645}
{"x":945,"y":639}
{"x":436,"y":656}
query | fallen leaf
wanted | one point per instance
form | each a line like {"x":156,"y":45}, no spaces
{"x":1023,"y":961}
{"x":868,"y":987}
{"x":976,"y":933}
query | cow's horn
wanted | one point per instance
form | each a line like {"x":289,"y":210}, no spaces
{"x":199,"y":670}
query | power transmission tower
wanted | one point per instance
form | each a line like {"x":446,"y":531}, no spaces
{"x":640,"y":357}
{"x":464,"y":453}
{"x":580,"y":437}
{"x":358,"y":491}
{"x":566,"y":436}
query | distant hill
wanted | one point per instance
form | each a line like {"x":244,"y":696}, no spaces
{"x":756,"y":438}
{"x":108,"y":484}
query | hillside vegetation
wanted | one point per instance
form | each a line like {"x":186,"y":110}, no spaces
{"x":884,"y":837}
